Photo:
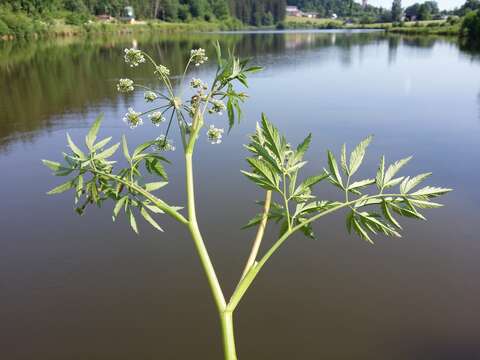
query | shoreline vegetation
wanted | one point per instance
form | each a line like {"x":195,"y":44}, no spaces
{"x":20,"y":23}
{"x":59,"y":28}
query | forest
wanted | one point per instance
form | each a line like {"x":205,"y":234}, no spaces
{"x":253,"y":12}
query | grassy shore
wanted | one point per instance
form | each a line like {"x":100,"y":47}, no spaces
{"x":18,"y":25}
{"x":430,"y":27}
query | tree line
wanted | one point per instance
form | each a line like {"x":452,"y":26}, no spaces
{"x":254,"y":12}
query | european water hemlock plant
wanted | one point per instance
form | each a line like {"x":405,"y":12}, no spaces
{"x":274,"y":165}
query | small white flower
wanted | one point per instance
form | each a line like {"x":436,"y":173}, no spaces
{"x":132,"y":118}
{"x":156,"y":118}
{"x":134,"y":57}
{"x":198,"y":84}
{"x":164,"y":144}
{"x":214,"y":135}
{"x":150,"y":96}
{"x":198,"y":56}
{"x":125,"y":85}
{"x":161,"y":71}
{"x":217,"y":106}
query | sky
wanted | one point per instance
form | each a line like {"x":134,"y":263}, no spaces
{"x":442,"y":4}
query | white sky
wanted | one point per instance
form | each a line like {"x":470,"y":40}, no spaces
{"x":442,"y":4}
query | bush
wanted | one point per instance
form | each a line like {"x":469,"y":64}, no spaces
{"x":471,"y":26}
{"x":77,"y":18}
{"x":19,"y":24}
{"x":281,"y":25}
{"x":4,"y":30}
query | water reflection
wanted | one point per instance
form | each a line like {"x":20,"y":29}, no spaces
{"x":40,"y":81}
{"x":107,"y":294}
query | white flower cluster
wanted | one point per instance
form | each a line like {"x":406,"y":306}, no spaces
{"x":217,"y":106}
{"x":125,"y":85}
{"x":162,"y":71}
{"x":214,"y":135}
{"x":150,"y":96}
{"x":132,"y":118}
{"x":198,"y":56}
{"x":198,"y":84}
{"x":164,"y":144}
{"x":156,"y":118}
{"x":134,"y":57}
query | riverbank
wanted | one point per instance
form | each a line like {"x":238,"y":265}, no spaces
{"x":431,"y":27}
{"x":19,"y":26}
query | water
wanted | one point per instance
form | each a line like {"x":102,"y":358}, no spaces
{"x":85,"y":288}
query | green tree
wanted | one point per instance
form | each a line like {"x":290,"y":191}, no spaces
{"x":397,"y":10}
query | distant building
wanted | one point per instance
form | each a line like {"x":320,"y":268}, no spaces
{"x":127,"y":14}
{"x":310,"y":15}
{"x":293,"y":11}
{"x":364,"y":3}
{"x":334,"y":16}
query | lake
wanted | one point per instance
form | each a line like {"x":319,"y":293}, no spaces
{"x":85,"y":288}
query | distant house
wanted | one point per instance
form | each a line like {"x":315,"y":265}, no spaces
{"x":127,"y":14}
{"x":309,"y":15}
{"x":293,"y":11}
{"x":334,"y":16}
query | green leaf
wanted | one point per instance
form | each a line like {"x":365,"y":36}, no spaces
{"x":108,"y":152}
{"x":431,"y":191}
{"x":259,"y":180}
{"x":53,"y":165}
{"x":149,"y":219}
{"x":393,"y":182}
{"x":302,"y":148}
{"x":133,"y":222}
{"x":307,"y":230}
{"x":332,"y":164}
{"x":75,"y":148}
{"x":343,"y":159}
{"x":272,"y":137}
{"x":379,"y":179}
{"x":254,"y":69}
{"x":155,"y":185}
{"x":361,"y":184}
{"x":265,"y":170}
{"x":119,"y":205}
{"x":357,"y":155}
{"x":125,"y":149}
{"x":409,"y":183}
{"x":388,"y":215}
{"x":93,"y":132}
{"x":62,"y":188}
{"x":141,"y":148}
{"x":253,"y":221}
{"x":360,"y":230}
{"x":394,"y":168}
{"x":101,"y":143}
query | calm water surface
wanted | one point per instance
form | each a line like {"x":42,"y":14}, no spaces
{"x":84,"y":288}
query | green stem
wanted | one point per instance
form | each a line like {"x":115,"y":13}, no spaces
{"x":285,"y":201}
{"x":226,"y":319}
{"x":157,"y":202}
{"x":197,"y":238}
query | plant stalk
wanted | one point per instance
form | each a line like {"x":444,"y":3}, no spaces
{"x":198,"y":240}
{"x":226,"y":318}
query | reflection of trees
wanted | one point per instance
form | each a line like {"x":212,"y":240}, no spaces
{"x":42,"y":79}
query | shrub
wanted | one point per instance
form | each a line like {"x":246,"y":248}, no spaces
{"x":4,"y":30}
{"x":74,"y":18}
{"x":470,"y":27}
{"x":19,"y":23}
